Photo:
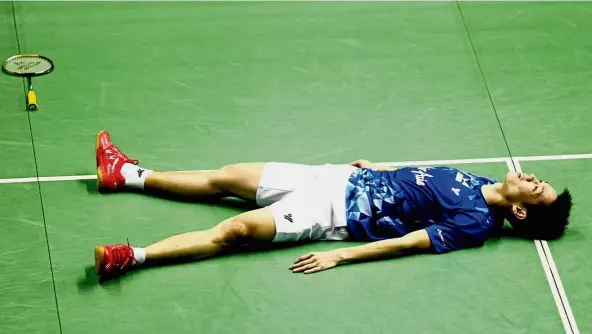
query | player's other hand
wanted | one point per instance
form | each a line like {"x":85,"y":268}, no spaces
{"x":362,"y":164}
{"x":317,"y":261}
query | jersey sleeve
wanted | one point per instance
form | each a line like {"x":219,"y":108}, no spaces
{"x":462,"y":231}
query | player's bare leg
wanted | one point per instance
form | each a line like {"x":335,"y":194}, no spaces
{"x":116,"y":171}
{"x":240,"y":180}
{"x":256,"y":225}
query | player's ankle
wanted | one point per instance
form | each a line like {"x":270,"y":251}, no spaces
{"x":135,"y":176}
{"x":139,"y":256}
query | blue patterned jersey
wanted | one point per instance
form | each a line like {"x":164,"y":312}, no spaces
{"x":447,"y":202}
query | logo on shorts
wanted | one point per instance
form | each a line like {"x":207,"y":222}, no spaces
{"x":441,"y":237}
{"x":289,"y":218}
{"x":140,"y":172}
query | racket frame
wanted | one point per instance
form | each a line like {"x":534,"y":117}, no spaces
{"x":31,"y":95}
{"x":36,"y":74}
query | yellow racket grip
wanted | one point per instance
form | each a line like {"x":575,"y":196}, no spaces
{"x":32,"y":100}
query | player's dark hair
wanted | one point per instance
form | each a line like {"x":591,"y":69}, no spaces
{"x":546,"y":222}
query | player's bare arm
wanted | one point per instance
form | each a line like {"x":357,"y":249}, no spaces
{"x":318,"y":261}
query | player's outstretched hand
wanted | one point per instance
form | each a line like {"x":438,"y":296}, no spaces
{"x":362,"y":164}
{"x":317,"y":261}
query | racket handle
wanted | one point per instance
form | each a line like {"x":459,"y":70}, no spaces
{"x":32,"y":100}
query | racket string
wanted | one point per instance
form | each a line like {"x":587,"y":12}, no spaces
{"x":24,"y":65}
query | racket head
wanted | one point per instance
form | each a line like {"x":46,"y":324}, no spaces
{"x":27,"y":65}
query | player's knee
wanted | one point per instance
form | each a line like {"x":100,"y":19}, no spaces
{"x":231,"y":231}
{"x":225,"y":177}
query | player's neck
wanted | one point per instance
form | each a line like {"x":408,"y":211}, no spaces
{"x":494,"y":196}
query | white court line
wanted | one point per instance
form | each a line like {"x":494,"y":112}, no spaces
{"x":48,"y":178}
{"x":19,"y":180}
{"x":488,"y":160}
{"x":555,"y":157}
{"x":552,"y":273}
{"x":394,"y":164}
{"x":442,"y":162}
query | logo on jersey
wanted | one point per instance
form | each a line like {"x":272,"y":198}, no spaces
{"x":288,"y":217}
{"x":456,"y":191}
{"x":421,"y":175}
{"x":464,"y":180}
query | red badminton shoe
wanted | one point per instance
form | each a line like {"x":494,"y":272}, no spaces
{"x":113,"y":260}
{"x":109,"y":162}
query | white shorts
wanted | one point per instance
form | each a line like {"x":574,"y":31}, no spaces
{"x":307,"y":202}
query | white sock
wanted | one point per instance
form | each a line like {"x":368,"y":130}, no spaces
{"x":134,"y":176}
{"x":139,"y":255}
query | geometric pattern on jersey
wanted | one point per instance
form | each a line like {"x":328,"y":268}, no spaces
{"x":445,"y":201}
{"x":372,"y":200}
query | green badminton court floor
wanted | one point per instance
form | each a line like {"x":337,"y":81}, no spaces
{"x":194,"y":85}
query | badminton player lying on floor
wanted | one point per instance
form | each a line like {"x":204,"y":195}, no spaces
{"x":397,"y":211}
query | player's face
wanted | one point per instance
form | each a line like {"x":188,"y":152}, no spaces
{"x":527,"y":189}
